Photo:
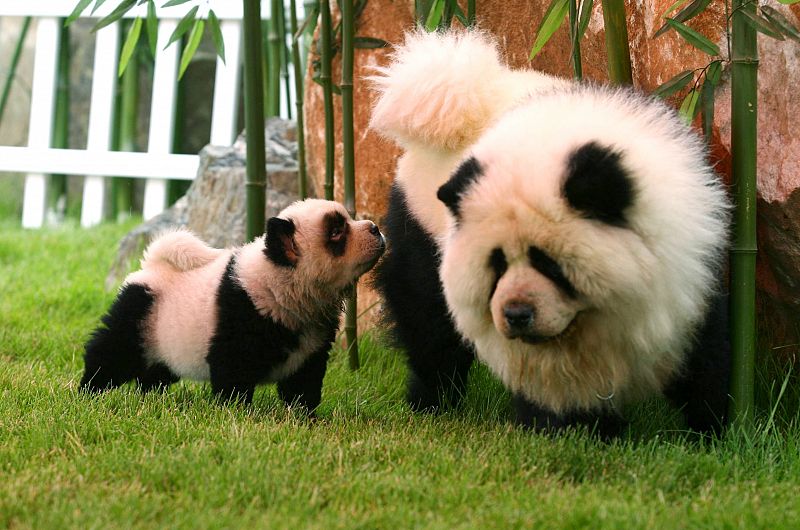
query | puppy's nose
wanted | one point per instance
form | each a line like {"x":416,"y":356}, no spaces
{"x":519,"y":317}
{"x":374,"y":230}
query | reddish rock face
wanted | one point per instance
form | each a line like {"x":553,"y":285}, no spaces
{"x":654,"y":61}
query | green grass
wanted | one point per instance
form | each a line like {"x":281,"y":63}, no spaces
{"x":179,"y":460}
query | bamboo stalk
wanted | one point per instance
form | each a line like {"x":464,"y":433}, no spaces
{"x":298,"y":88}
{"x":57,"y":190}
{"x":577,"y":66}
{"x":122,"y":188}
{"x":619,"y":54}
{"x":12,"y":67}
{"x":744,"y":113}
{"x":273,"y":103}
{"x":309,"y":7}
{"x":348,"y":156}
{"x":285,"y":59}
{"x":178,"y":188}
{"x":327,"y":92}
{"x":254,"y":119}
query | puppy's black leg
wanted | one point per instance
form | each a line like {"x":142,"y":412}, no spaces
{"x":114,"y":354}
{"x":605,"y":425}
{"x":156,"y":377}
{"x":701,"y":389}
{"x":438,"y":379}
{"x":304,"y":387}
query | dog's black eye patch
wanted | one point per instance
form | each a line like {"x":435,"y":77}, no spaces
{"x":336,"y":231}
{"x":598,"y":185}
{"x":548,"y":267}
{"x":498,"y":263}
{"x":452,"y":191}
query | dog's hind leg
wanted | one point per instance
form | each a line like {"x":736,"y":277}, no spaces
{"x":115,"y":353}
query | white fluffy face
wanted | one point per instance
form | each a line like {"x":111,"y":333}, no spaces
{"x":326,"y":246}
{"x":583,"y":252}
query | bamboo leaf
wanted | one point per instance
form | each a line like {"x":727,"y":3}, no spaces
{"x":686,"y":14}
{"x":761,"y":24}
{"x":694,"y":38}
{"x":457,"y":12}
{"x":152,"y":27}
{"x":82,"y":5}
{"x":183,"y":26}
{"x":714,"y":73}
{"x":552,"y":20}
{"x":309,"y":24}
{"x":422,"y":9}
{"x":689,"y":108}
{"x":97,"y":5}
{"x":788,"y":2}
{"x":675,"y":5}
{"x":435,"y":15}
{"x":777,"y":19}
{"x":358,"y":8}
{"x":174,"y":3}
{"x":674,"y":84}
{"x":130,"y":45}
{"x":369,"y":42}
{"x":584,"y":17}
{"x":115,"y":15}
{"x":216,"y":34}
{"x":191,"y":45}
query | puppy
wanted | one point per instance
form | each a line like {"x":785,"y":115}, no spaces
{"x":265,"y":312}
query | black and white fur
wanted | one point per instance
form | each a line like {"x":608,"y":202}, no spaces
{"x":579,"y":239}
{"x":265,"y":312}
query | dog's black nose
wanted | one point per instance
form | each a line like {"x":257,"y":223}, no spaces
{"x":374,"y":230}
{"x":519,"y":317}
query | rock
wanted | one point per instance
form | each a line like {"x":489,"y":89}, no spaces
{"x":214,"y":207}
{"x":653,"y":61}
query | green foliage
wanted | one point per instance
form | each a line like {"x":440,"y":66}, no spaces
{"x":216,"y":34}
{"x":691,"y":11}
{"x":693,"y":37}
{"x":180,"y":460}
{"x":674,"y":84}
{"x":552,"y":20}
{"x":766,"y":20}
{"x":130,"y":45}
{"x":189,"y":24}
{"x":439,"y":14}
{"x":185,"y":24}
{"x":192,"y":43}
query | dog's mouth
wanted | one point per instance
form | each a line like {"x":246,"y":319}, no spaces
{"x":535,"y":339}
{"x":373,"y":259}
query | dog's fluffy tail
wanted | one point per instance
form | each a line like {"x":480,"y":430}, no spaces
{"x":180,"y":249}
{"x":443,"y":89}
{"x":438,"y":89}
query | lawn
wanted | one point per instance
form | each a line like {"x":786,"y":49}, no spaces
{"x":179,"y":460}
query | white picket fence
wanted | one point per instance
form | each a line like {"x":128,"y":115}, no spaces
{"x":97,"y":161}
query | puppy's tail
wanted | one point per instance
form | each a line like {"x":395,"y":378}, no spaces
{"x":180,"y":249}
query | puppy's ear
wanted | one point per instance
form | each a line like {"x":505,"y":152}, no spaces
{"x":279,"y":244}
{"x":451,"y":192}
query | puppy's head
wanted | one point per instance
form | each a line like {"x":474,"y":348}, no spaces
{"x":321,"y":244}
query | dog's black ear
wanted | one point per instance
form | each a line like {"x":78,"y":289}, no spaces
{"x":279,"y":244}
{"x":451,"y":192}
{"x":597,"y":184}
